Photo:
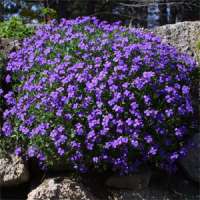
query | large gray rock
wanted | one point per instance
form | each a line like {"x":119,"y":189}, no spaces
{"x":7,"y":45}
{"x":137,"y":181}
{"x":150,"y":194}
{"x":191,"y":163}
{"x":161,"y":187}
{"x":182,"y":35}
{"x":12,"y":171}
{"x":60,"y":189}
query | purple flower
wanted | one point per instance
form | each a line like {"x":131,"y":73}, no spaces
{"x":152,"y":151}
{"x":41,"y":157}
{"x":169,"y":112}
{"x":134,"y":143}
{"x":185,"y":90}
{"x":1,"y":91}
{"x":61,"y":151}
{"x":7,"y":128}
{"x":8,"y":79}
{"x":32,"y":151}
{"x":148,"y":75}
{"x":174,"y":156}
{"x":18,"y":151}
{"x":148,"y":139}
{"x":95,"y":159}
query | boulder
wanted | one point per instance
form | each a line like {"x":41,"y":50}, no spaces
{"x":136,"y":181}
{"x":182,"y":35}
{"x":60,"y":188}
{"x":191,"y":163}
{"x":7,"y":45}
{"x":151,"y":194}
{"x":162,"y":187}
{"x":13,"y":171}
{"x":146,"y":194}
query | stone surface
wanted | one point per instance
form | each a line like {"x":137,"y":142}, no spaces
{"x":136,"y":181}
{"x":60,"y":188}
{"x":7,"y":45}
{"x":147,"y":194}
{"x":191,"y":163}
{"x":162,"y":187}
{"x":150,"y":194}
{"x":183,"y":35}
{"x":12,"y":171}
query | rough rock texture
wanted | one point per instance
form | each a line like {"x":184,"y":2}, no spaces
{"x":12,"y":171}
{"x":7,"y":45}
{"x":162,"y":187}
{"x":151,"y":194}
{"x":191,"y":163}
{"x":59,"y":189}
{"x":146,"y":194}
{"x":183,"y":35}
{"x":136,"y":181}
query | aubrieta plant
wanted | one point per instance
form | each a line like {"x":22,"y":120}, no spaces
{"x":99,"y":97}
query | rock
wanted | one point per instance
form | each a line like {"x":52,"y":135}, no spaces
{"x":60,"y":188}
{"x":146,"y":194}
{"x":182,"y":35}
{"x":7,"y":45}
{"x":136,"y":181}
{"x":191,"y":163}
{"x":12,"y":171}
{"x":150,"y":194}
{"x":162,"y":187}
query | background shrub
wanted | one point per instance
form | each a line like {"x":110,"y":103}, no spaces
{"x":99,"y":96}
{"x":15,"y":28}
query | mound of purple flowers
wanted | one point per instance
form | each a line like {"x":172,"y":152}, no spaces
{"x":99,"y":96}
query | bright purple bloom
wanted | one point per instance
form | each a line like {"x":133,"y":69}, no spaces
{"x":18,"y":151}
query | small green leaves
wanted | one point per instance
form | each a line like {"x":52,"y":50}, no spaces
{"x":15,"y":28}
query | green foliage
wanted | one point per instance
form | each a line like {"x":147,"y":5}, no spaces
{"x":15,"y":28}
{"x":49,"y":13}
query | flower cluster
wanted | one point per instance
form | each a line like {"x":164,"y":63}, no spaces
{"x":99,"y":96}
{"x":1,"y":84}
